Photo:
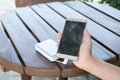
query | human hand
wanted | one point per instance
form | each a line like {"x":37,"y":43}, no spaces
{"x":85,"y":52}
{"x":59,"y":38}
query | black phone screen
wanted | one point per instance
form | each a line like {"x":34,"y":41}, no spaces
{"x":71,"y":38}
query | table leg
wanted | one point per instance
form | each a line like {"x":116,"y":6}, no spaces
{"x":25,"y":77}
{"x":62,"y":78}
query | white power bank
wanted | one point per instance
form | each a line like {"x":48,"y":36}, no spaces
{"x":48,"y":49}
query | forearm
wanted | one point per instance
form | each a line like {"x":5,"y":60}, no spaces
{"x":102,"y":69}
{"x":92,"y":65}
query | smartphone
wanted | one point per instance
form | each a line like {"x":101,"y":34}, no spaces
{"x":71,"y":39}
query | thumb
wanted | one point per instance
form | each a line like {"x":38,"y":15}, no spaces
{"x":75,"y":63}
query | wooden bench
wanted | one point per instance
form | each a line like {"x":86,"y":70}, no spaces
{"x":22,"y":29}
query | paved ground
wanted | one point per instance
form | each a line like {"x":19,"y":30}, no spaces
{"x":7,"y":6}
{"x":16,"y":76}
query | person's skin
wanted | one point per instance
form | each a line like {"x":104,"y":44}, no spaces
{"x":99,"y":68}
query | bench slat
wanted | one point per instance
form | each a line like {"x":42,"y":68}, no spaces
{"x":8,"y":57}
{"x":25,"y":44}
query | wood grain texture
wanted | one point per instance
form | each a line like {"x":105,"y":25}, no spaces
{"x":8,"y":57}
{"x":108,"y":10}
{"x":36,"y":24}
{"x":24,"y":43}
{"x":50,"y":16}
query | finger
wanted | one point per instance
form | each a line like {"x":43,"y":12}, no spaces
{"x":86,"y":33}
{"x":76,"y":63}
{"x":60,"y":34}
{"x":58,"y":40}
{"x":57,"y":45}
{"x":83,"y":40}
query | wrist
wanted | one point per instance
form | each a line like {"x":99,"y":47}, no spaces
{"x":84,"y":64}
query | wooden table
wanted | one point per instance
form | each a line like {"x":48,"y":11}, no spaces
{"x":22,"y":29}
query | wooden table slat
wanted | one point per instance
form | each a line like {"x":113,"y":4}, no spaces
{"x":108,"y":10}
{"x":102,"y":35}
{"x":47,"y":14}
{"x":103,"y":53}
{"x":36,"y":24}
{"x":98,"y":17}
{"x":25,"y":44}
{"x":8,"y":57}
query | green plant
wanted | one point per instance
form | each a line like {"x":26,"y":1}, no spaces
{"x":113,"y":3}
{"x":118,"y":64}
